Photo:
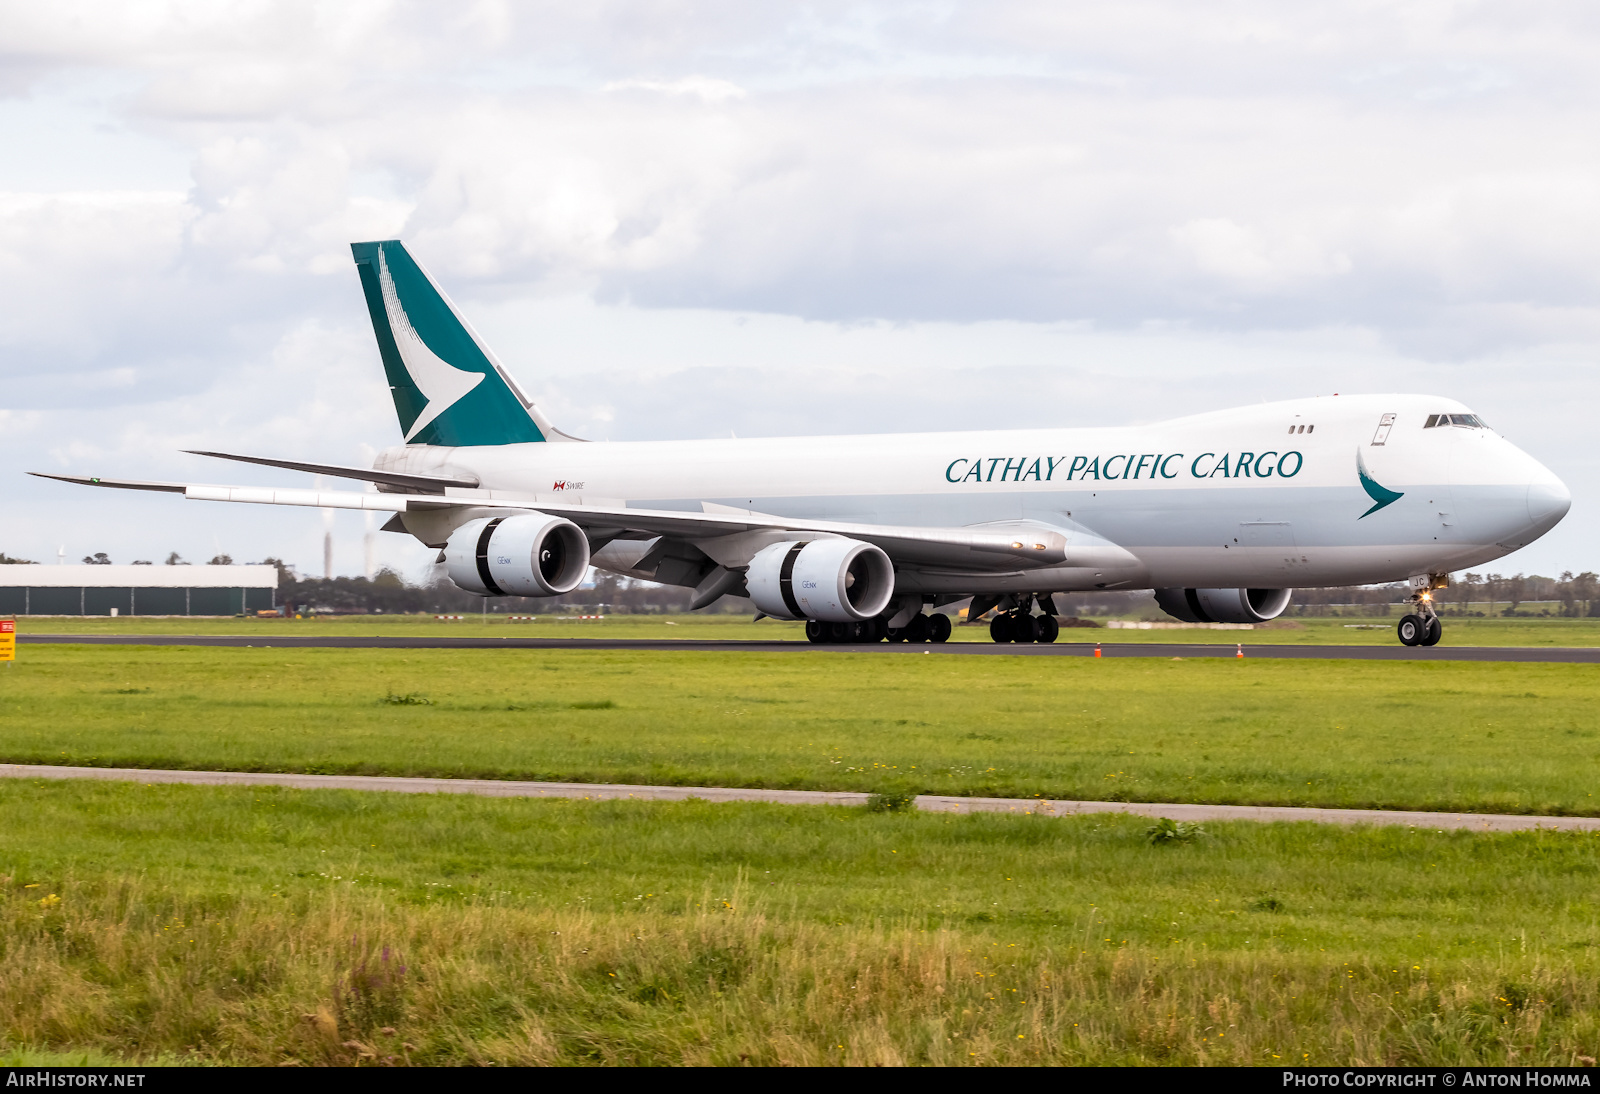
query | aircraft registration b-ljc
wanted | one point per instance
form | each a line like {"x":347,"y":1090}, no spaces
{"x":1222,"y":514}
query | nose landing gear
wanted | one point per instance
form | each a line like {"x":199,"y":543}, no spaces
{"x":1421,"y":626}
{"x":1419,"y":630}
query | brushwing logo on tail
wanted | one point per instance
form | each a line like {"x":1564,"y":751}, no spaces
{"x":447,"y":388}
{"x":440,"y":382}
{"x":1380,"y":495}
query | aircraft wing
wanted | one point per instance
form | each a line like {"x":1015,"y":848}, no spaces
{"x":728,"y":536}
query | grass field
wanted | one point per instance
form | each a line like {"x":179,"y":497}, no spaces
{"x":162,"y":924}
{"x":263,"y":925}
{"x":1518,"y":738}
{"x":1304,"y":631}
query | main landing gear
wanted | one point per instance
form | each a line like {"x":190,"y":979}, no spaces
{"x":1019,"y":624}
{"x":1421,"y":626}
{"x":921,"y":628}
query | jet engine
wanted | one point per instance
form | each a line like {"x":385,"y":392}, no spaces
{"x":532,"y":555}
{"x":833,"y":580}
{"x":1224,"y":605}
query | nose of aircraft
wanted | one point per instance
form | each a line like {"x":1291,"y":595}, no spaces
{"x":1548,"y":502}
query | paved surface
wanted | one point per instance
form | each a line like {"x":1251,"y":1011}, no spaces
{"x":1484,"y":822}
{"x":1396,"y":652}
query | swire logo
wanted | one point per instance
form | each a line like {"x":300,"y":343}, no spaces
{"x":564,"y":484}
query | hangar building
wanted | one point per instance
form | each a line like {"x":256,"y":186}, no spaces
{"x":136,"y":590}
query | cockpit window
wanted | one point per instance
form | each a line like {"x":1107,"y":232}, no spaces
{"x":1470,"y":421}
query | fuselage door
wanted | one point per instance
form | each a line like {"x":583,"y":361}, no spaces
{"x":1272,"y":542}
{"x":1385,"y":423}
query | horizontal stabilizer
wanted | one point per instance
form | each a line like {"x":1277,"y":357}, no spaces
{"x":388,"y":478}
{"x":115,"y":484}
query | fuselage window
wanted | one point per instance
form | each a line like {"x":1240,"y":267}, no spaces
{"x":1311,"y":429}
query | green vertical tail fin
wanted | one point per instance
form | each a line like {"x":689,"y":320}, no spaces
{"x":448,"y":388}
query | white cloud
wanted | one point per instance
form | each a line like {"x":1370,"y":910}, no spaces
{"x":703,"y":88}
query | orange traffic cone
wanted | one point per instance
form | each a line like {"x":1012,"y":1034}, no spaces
{"x":1240,"y":652}
{"x":1097,"y":649}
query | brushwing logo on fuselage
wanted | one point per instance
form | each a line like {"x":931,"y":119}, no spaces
{"x":1380,"y":495}
{"x":440,"y":382}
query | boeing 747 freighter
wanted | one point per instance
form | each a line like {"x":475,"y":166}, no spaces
{"x":1221,"y":514}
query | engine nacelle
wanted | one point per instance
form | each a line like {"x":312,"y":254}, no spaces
{"x":1224,"y":605}
{"x":532,"y":555}
{"x":834,"y":580}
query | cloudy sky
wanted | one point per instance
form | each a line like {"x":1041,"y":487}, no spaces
{"x":680,"y":219}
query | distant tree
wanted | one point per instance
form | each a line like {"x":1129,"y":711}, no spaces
{"x":143,"y":562}
{"x":1491,"y":588}
{"x":1458,"y":593}
{"x":174,"y":559}
{"x":1516,"y":591}
{"x":1584,"y":589}
{"x":7,"y":560}
{"x":99,"y":558}
{"x":221,"y":560}
{"x":286,"y":574}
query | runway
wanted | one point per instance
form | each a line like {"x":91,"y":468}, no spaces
{"x":936,"y":803}
{"x":1562,"y":654}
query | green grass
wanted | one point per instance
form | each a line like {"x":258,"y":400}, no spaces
{"x":1517,"y":738}
{"x":160,"y":924}
{"x":1355,"y":631}
{"x":261,"y":926}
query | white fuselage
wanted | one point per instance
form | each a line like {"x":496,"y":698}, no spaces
{"x":1266,"y":496}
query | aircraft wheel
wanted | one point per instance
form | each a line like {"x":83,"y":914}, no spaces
{"x":1435,"y":631}
{"x":839,"y":632}
{"x":874,"y":630}
{"x":1024,"y":628}
{"x":917,"y":629}
{"x":938,"y":628}
{"x":895,"y":634}
{"x":1000,"y":628}
{"x":1412,"y":630}
{"x":816,"y":632}
{"x":1049,"y":629}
